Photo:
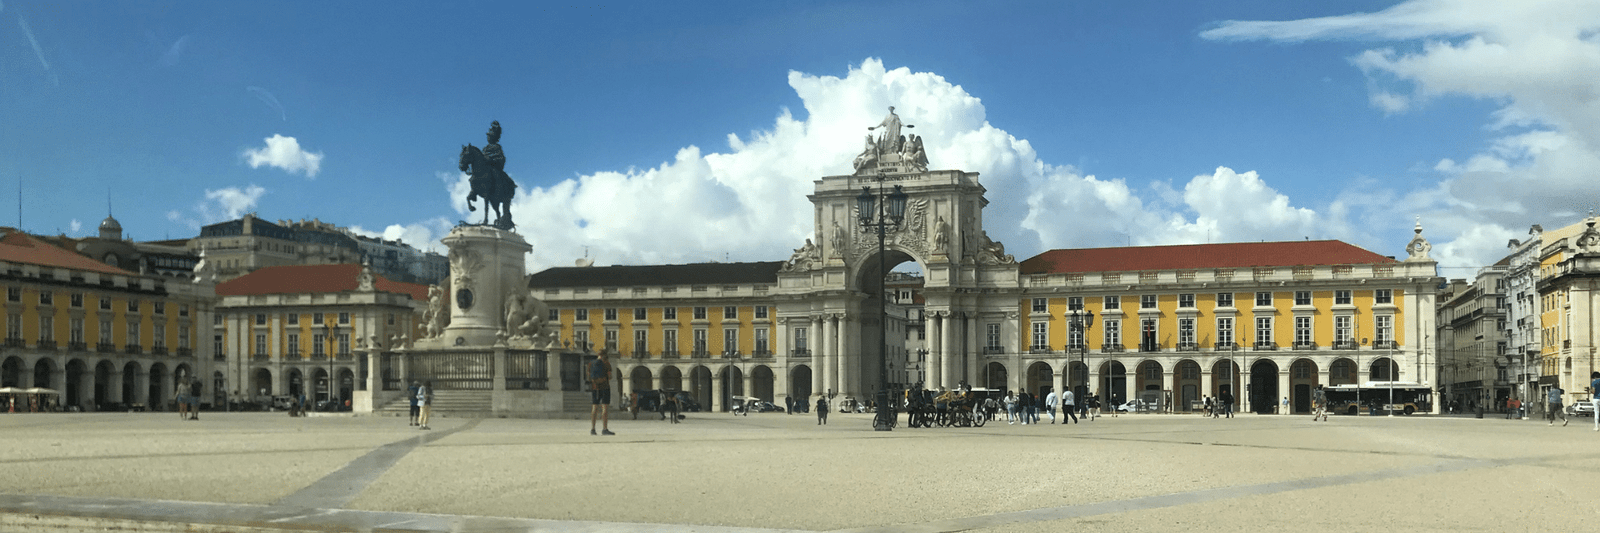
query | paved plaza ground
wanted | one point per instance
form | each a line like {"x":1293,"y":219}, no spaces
{"x":770,"y":471}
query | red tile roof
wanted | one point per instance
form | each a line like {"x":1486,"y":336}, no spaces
{"x":21,"y":248}
{"x":1194,"y":256}
{"x":300,"y":279}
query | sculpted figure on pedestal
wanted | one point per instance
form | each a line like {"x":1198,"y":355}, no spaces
{"x":993,"y":252}
{"x":867,"y":156}
{"x":489,"y":179}
{"x":888,"y":132}
{"x":437,"y":315}
{"x":804,"y":258}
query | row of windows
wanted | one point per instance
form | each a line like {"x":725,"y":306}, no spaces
{"x":699,"y":337}
{"x":1224,"y":299}
{"x":14,"y":294}
{"x":293,"y":319}
{"x":1111,"y":331}
{"x":667,"y":313}
{"x":319,"y":344}
{"x":1339,"y":370}
{"x":75,"y":327}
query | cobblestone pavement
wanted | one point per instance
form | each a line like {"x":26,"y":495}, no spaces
{"x":717,"y":472}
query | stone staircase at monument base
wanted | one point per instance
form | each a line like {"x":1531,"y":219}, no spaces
{"x":475,"y":403}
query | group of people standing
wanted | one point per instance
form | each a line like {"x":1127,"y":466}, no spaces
{"x":421,"y":395}
{"x":1024,"y":407}
{"x":1220,"y":406}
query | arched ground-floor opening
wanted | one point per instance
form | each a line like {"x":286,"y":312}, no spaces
{"x":1225,"y":378}
{"x":639,"y":379}
{"x":296,"y":383}
{"x":1039,"y":379}
{"x":132,"y":377}
{"x":1263,"y":393}
{"x":43,"y":372}
{"x":1149,"y":378}
{"x":699,"y":386}
{"x":346,"y":378}
{"x":1113,"y":384}
{"x":1078,"y":380}
{"x":1342,"y":372}
{"x":732,"y":385}
{"x":11,"y":372}
{"x":261,"y":385}
{"x":160,"y":398}
{"x":994,"y":377}
{"x":761,"y":382}
{"x":1383,"y":369}
{"x":1188,"y":386}
{"x":1302,"y":379}
{"x":800,"y":383}
{"x":107,"y":386}
{"x":671,"y":378}
{"x":320,"y":385}
{"x":219,"y":390}
{"x":79,"y":383}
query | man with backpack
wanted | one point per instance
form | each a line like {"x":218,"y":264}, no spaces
{"x":600,"y":391}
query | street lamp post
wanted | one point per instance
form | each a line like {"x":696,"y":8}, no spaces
{"x":327,"y":337}
{"x":888,"y":210}
{"x":1082,"y":321}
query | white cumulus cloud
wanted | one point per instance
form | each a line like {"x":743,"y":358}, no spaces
{"x":285,"y":153}
{"x":748,"y":202}
{"x":219,"y":205}
{"x":1538,"y":60}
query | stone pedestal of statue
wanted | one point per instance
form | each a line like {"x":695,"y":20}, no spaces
{"x":486,"y":265}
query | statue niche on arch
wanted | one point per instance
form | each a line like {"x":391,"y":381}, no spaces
{"x":488,"y":179}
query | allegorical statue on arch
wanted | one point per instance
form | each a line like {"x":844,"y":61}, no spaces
{"x":886,"y":147}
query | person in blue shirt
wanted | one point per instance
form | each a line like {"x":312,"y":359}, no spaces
{"x":1594,"y":398}
{"x":1553,"y":405}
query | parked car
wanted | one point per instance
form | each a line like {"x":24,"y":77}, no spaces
{"x":1582,"y":408}
{"x":766,"y":407}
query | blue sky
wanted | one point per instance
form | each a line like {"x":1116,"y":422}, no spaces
{"x":1092,"y":123}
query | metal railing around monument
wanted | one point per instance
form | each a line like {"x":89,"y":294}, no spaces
{"x":527,"y":370}
{"x":453,"y":371}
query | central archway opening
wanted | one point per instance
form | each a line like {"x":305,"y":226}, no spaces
{"x":893,"y":338}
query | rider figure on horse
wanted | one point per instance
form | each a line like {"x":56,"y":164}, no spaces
{"x":492,"y":152}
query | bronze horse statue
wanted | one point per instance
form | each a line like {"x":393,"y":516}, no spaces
{"x":489,"y":183}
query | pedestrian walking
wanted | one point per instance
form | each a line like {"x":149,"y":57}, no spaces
{"x":415,"y":407}
{"x":1051,"y":401}
{"x":182,"y":399}
{"x":1594,"y":398}
{"x":822,"y":410}
{"x":1069,"y":404}
{"x":1011,"y":408}
{"x":1285,"y":409}
{"x":1226,"y":401}
{"x":195,"y":389}
{"x":424,"y":404}
{"x":599,"y":394}
{"x":1093,"y":405}
{"x":1030,"y":407}
{"x":1319,"y":403}
{"x":1553,"y":405}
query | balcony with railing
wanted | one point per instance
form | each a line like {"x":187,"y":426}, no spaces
{"x":344,"y":356}
{"x":699,"y":354}
{"x":994,"y":350}
{"x":1264,"y":346}
{"x":639,"y":352}
{"x":15,"y":342}
{"x":1149,"y":347}
{"x":158,"y":350}
{"x":105,"y":347}
{"x":319,"y":356}
{"x":79,"y":346}
{"x":1344,"y":345}
{"x":1077,"y":348}
{"x":1188,"y":347}
{"x":800,"y":352}
{"x":133,"y":349}
{"x":1305,"y":345}
{"x":1389,"y":345}
{"x":260,"y":357}
{"x":670,"y":354}
{"x":45,"y":344}
{"x":761,"y":353}
{"x":1040,"y":349}
{"x":1112,"y":349}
